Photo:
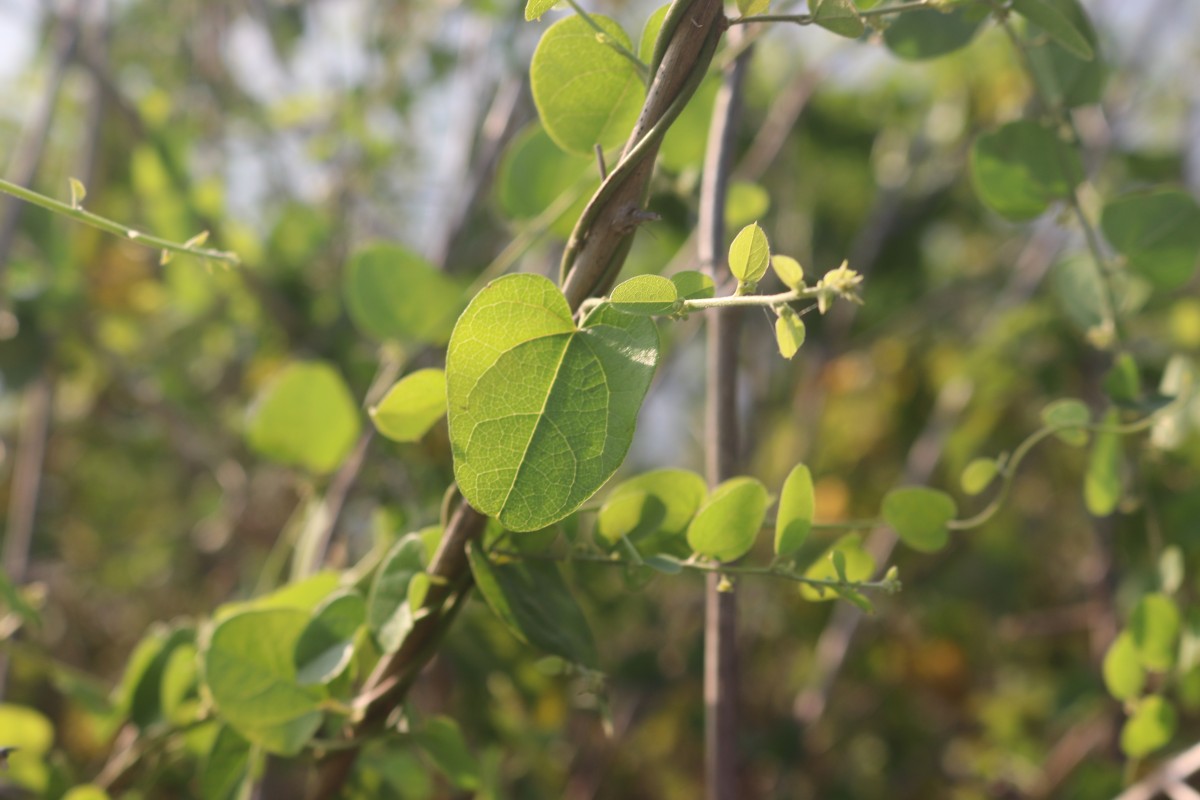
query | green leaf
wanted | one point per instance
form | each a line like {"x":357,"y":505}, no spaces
{"x":535,"y":8}
{"x":744,"y":201}
{"x":226,"y":767}
{"x":534,"y":174}
{"x":305,"y":417}
{"x":789,"y":332}
{"x":752,"y":8}
{"x":919,"y":516}
{"x":646,"y":295}
{"x":929,"y":33}
{"x":1055,"y":23}
{"x":442,"y":741}
{"x":533,"y":601}
{"x":693,"y":285}
{"x":32,"y":734}
{"x":1150,"y":727}
{"x":250,"y":672}
{"x":979,"y":475}
{"x":140,"y":692}
{"x":11,"y":596}
{"x":326,"y":645}
{"x":180,"y":684}
{"x":629,"y":515}
{"x":797,"y":505}
{"x":1102,"y":483}
{"x":749,"y":255}
{"x":541,"y":412}
{"x":1064,"y":77}
{"x":1123,"y":382}
{"x":653,"y":510}
{"x":1158,"y":232}
{"x":389,"y":614}
{"x":1154,"y":626}
{"x":1123,"y":673}
{"x":789,"y":271}
{"x":726,"y":526}
{"x":1171,"y":569}
{"x":1021,"y":168}
{"x":412,"y":406}
{"x":840,"y":17}
{"x":585,"y":91}
{"x":393,"y":293}
{"x":1071,"y":416}
{"x":86,"y":792}
{"x":858,"y":566}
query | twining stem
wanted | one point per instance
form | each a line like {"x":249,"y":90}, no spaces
{"x":809,"y":19}
{"x":109,"y":226}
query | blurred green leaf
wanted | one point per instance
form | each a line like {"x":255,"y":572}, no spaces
{"x":412,"y":406}
{"x":1021,"y":168}
{"x":535,"y":8}
{"x":1149,"y":728}
{"x":1055,"y":23}
{"x":790,"y":273}
{"x":389,"y":615}
{"x":750,"y":8}
{"x":392,"y":293}
{"x":744,"y":202}
{"x":534,"y":173}
{"x":1154,"y":627}
{"x":919,"y":516}
{"x":32,"y":734}
{"x":797,"y":505}
{"x":840,"y":17}
{"x":305,"y":417}
{"x":1123,"y":673}
{"x":442,"y":741}
{"x":1071,"y":415}
{"x":1102,"y":483}
{"x":1065,"y":78}
{"x":929,"y":33}
{"x":859,"y":566}
{"x":693,"y":285}
{"x":1158,"y":232}
{"x":326,"y":645}
{"x":226,"y":766}
{"x":979,"y":474}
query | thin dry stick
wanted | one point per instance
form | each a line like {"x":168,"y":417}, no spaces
{"x":721,"y":438}
{"x":1171,"y":774}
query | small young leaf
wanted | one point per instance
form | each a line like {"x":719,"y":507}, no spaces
{"x":919,"y":516}
{"x":727,"y":525}
{"x":789,"y":332}
{"x":1102,"y":483}
{"x":1123,"y":383}
{"x":749,"y":255}
{"x":1123,"y":673}
{"x":859,"y":566}
{"x":442,"y":741}
{"x":533,"y":601}
{"x":840,"y":17}
{"x":646,"y":295}
{"x":78,"y":192}
{"x":305,"y":417}
{"x":979,"y":474}
{"x":856,"y":598}
{"x":629,"y":515}
{"x":751,"y":8}
{"x":838,"y":559}
{"x":1158,"y":232}
{"x":789,"y":271}
{"x":1070,"y":415}
{"x":1021,"y":168}
{"x":693,"y":285}
{"x":1057,"y":25}
{"x":797,"y":505}
{"x":412,"y":406}
{"x":1154,"y":626}
{"x":226,"y":766}
{"x":653,"y":510}
{"x":326,"y":645}
{"x":389,"y":615}
{"x":1150,"y":727}
{"x":535,"y":8}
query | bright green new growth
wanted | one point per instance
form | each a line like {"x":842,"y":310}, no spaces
{"x":646,"y":295}
{"x":920,"y":517}
{"x":542,"y":412}
{"x":535,"y":8}
{"x":789,"y":332}
{"x":1123,"y":673}
{"x":1154,"y":626}
{"x":749,"y":256}
{"x":752,"y":8}
{"x":585,"y":91}
{"x":1150,"y":727}
{"x":412,"y":406}
{"x":789,"y":271}
{"x":727,"y":525}
{"x":979,"y":474}
{"x":797,"y":505}
{"x":857,"y":565}
{"x":305,"y":417}
{"x":1021,"y":168}
{"x":653,"y":510}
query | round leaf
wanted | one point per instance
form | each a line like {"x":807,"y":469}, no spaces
{"x":857,"y":565}
{"x":789,"y":271}
{"x":305,"y":417}
{"x":727,"y":525}
{"x":979,"y":474}
{"x":840,"y":17}
{"x":585,"y":91}
{"x":797,"y":504}
{"x":1057,"y":25}
{"x":646,"y":295}
{"x":749,"y":255}
{"x":1154,"y":626}
{"x":535,"y":8}
{"x":412,"y":406}
{"x":1159,"y":233}
{"x":393,"y":293}
{"x":32,"y":734}
{"x":789,"y":332}
{"x":1123,"y":673}
{"x":1070,"y":415}
{"x":542,"y":412}
{"x":1150,"y":727}
{"x":1019,"y":169}
{"x":326,"y":645}
{"x":919,"y":516}
{"x":251,"y":674}
{"x":653,"y":509}
{"x":929,"y":33}
{"x":1066,"y":78}
{"x":535,"y":173}
{"x":693,"y":285}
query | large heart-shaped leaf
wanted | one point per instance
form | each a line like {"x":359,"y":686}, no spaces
{"x":541,"y":412}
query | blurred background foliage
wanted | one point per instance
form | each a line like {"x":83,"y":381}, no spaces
{"x":298,"y":131}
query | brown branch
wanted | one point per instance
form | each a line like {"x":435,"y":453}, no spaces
{"x":721,"y":438}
